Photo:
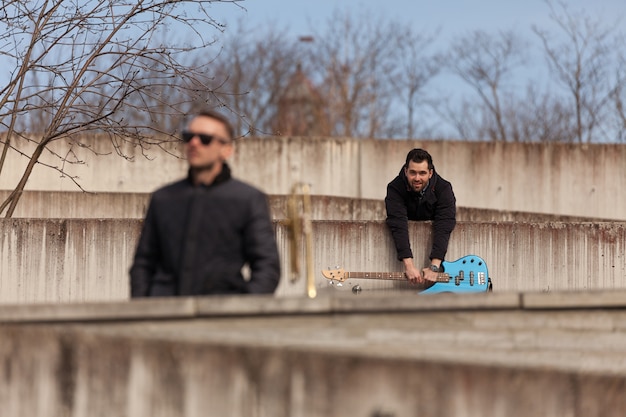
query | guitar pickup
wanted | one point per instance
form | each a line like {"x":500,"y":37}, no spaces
{"x":459,"y":278}
{"x":472,"y":278}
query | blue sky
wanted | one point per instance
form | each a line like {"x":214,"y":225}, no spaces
{"x":449,"y":18}
{"x":452,"y":16}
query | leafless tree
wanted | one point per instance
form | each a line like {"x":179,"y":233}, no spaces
{"x":416,"y":69}
{"x":582,"y":63}
{"x":351,"y":64}
{"x":486,"y":63}
{"x":538,"y":117}
{"x":84,"y":67}
{"x":354,"y":60}
{"x":252,"y":68}
{"x":463,"y":115}
{"x":618,"y":97}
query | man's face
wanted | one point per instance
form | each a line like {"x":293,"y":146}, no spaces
{"x":418,"y":174}
{"x":206,"y":156}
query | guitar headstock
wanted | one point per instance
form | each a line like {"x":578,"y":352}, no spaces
{"x":335,"y":274}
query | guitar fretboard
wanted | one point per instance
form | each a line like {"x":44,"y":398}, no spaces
{"x":399,"y":276}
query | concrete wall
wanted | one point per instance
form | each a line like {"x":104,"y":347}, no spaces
{"x":571,"y":180}
{"x":88,"y":260}
{"x":79,"y":205}
{"x":67,"y":205}
{"x":339,"y":354}
{"x":492,"y":355}
{"x":62,"y":260}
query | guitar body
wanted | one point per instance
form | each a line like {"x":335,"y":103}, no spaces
{"x":468,"y":274}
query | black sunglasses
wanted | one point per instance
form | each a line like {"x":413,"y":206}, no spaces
{"x":205,"y":139}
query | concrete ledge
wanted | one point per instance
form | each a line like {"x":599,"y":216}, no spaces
{"x":148,"y":309}
{"x":340,"y":303}
{"x":250,"y":306}
{"x":575,"y":299}
{"x":427,"y":364}
{"x":107,"y":205}
{"x":380,"y":303}
{"x":344,"y":303}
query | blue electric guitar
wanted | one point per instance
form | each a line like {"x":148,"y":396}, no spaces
{"x":468,"y":274}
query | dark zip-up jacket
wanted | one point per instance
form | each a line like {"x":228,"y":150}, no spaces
{"x":437,"y":204}
{"x":196,"y":239}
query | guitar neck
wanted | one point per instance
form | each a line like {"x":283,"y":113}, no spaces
{"x":394,"y":276}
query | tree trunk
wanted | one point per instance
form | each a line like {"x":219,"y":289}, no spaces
{"x":15,"y":196}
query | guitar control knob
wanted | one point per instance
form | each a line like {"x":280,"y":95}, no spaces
{"x":356,"y":290}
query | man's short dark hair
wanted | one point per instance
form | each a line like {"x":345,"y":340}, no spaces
{"x":219,"y":117}
{"x":419,"y":155}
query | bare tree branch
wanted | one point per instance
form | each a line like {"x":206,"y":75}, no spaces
{"x":581,"y":64}
{"x":90,"y":66}
{"x":485,"y":63}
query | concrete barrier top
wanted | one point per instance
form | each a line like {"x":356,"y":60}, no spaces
{"x":484,"y":329}
{"x":345,"y":355}
{"x":174,"y":308}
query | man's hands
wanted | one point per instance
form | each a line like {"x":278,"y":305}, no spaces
{"x":416,"y":276}
{"x":412,"y":273}
{"x":429,"y":275}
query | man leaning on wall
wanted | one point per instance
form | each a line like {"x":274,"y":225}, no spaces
{"x":418,"y":192}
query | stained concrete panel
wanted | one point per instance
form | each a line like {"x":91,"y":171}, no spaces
{"x":394,"y":357}
{"x":88,"y":260}
{"x":524,"y":177}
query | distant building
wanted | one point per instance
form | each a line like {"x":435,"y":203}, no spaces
{"x":301,"y":109}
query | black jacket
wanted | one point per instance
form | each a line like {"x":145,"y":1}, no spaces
{"x":437,"y":204}
{"x":195,"y":240}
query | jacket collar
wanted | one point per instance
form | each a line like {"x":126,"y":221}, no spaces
{"x":223,"y":176}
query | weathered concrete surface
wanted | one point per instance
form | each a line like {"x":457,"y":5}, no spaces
{"x":64,"y":260}
{"x":79,"y":205}
{"x":485,"y":175}
{"x":480,"y":355}
{"x":88,"y":260}
{"x":174,"y":308}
